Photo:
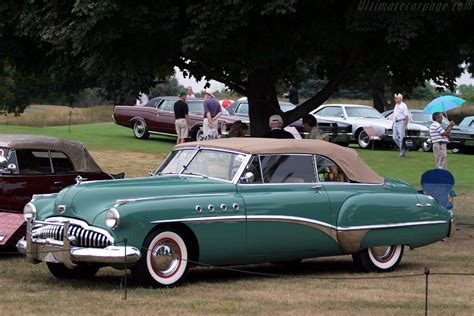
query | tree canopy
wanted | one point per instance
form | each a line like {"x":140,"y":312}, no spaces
{"x":251,"y":46}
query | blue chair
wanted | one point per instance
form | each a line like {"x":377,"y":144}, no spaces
{"x":439,"y":184}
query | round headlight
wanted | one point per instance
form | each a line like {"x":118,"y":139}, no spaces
{"x":29,"y":211}
{"x":112,"y":218}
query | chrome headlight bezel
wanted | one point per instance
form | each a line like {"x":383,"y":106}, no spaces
{"x":29,"y":211}
{"x":112,"y":218}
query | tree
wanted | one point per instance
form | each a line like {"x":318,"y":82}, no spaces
{"x":122,"y":45}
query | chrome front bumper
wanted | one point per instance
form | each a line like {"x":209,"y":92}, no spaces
{"x":61,"y":251}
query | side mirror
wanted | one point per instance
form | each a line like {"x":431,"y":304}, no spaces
{"x":3,"y":162}
{"x":248,"y":177}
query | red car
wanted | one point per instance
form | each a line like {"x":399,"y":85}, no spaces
{"x":31,"y":165}
{"x":157,"y":117}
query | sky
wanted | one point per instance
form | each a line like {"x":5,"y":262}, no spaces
{"x":466,"y":78}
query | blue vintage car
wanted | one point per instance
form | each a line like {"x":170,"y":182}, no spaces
{"x":233,"y":201}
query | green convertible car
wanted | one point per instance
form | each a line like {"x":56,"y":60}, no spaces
{"x":229,"y":202}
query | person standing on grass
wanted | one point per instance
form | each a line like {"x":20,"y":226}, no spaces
{"x":181,"y":118}
{"x":439,"y":139}
{"x":400,"y":122}
{"x":212,"y":112}
{"x":189,"y":93}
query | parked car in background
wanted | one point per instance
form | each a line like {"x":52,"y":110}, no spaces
{"x":461,"y":138}
{"x":31,"y":164}
{"x":462,"y":135}
{"x":338,"y":132}
{"x":368,"y":124}
{"x":226,"y":202}
{"x":157,"y":117}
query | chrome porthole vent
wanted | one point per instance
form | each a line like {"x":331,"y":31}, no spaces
{"x":198,"y":208}
{"x":210,"y":208}
{"x":236,"y":207}
{"x":223,"y":207}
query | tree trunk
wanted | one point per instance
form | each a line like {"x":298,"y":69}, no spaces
{"x":263,"y":101}
{"x":380,"y":102}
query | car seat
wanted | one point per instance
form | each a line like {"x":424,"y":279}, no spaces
{"x":439,"y":184}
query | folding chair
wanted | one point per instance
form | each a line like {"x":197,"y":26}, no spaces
{"x":439,"y":184}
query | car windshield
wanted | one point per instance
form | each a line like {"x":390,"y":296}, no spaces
{"x":197,"y":106}
{"x":466,"y":122}
{"x":205,"y":163}
{"x":363,"y":112}
{"x":421,"y":117}
{"x":285,"y":107}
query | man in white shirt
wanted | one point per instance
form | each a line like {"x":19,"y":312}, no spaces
{"x":400,"y":122}
{"x":190,"y":93}
{"x":439,"y":138}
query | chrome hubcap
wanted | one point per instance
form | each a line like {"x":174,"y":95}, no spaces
{"x":364,"y":139}
{"x":166,"y":258}
{"x":382,"y":253}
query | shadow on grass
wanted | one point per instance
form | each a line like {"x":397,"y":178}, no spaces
{"x":308,"y":269}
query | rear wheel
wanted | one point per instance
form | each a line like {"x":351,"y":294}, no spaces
{"x":379,"y":259}
{"x":166,"y":260}
{"x":140,"y":130}
{"x":60,"y":271}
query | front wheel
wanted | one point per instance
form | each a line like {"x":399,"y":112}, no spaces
{"x":166,"y":259}
{"x":140,"y":130}
{"x":198,"y":135}
{"x":426,"y":146}
{"x":60,"y":271}
{"x":379,"y":259}
{"x":363,"y":139}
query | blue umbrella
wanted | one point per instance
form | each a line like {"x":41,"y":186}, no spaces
{"x":443,"y":104}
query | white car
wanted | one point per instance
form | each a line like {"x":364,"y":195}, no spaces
{"x":367,"y":123}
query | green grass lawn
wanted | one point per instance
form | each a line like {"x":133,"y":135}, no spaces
{"x":108,"y":136}
{"x":100,"y":136}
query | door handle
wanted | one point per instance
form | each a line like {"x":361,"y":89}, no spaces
{"x":317,"y":188}
{"x":423,"y":205}
{"x":58,"y":182}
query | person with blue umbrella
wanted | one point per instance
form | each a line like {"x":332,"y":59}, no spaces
{"x":439,"y":139}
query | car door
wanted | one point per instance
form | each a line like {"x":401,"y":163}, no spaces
{"x":165,"y":117}
{"x":288,"y":211}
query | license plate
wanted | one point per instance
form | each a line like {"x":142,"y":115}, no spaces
{"x":469,"y":142}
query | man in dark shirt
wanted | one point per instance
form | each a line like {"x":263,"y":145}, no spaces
{"x":276,"y":123}
{"x":181,"y":118}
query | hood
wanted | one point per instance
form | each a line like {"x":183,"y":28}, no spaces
{"x":88,"y":199}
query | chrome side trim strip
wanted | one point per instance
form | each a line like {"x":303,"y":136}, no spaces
{"x":391,"y":225}
{"x":293,"y":219}
{"x":236,"y":218}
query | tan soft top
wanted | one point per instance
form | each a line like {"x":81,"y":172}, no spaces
{"x":346,"y":158}
{"x":75,"y":150}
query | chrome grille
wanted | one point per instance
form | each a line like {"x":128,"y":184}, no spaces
{"x":84,"y":237}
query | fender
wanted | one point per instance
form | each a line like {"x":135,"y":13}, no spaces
{"x":362,"y":208}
